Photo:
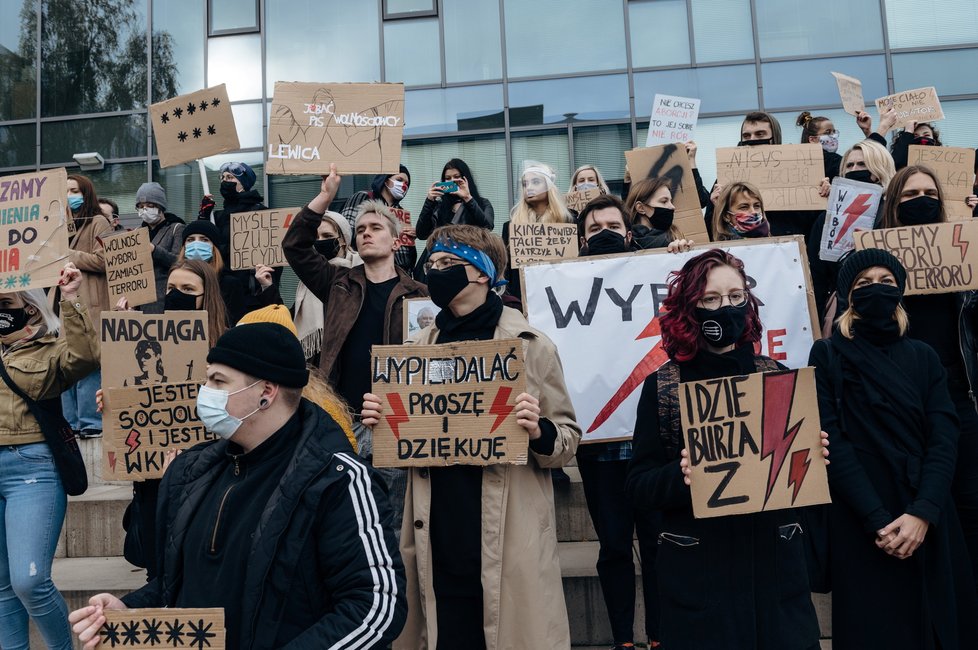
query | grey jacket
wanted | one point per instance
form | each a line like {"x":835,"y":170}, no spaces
{"x":167,"y":239}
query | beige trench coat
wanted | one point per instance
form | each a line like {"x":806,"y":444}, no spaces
{"x":522,"y":590}
{"x":88,"y":254}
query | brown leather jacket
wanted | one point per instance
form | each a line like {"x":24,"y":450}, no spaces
{"x":341,"y":290}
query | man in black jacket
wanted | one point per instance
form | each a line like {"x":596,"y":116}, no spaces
{"x":278,"y":523}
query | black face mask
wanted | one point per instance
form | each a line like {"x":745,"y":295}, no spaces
{"x":724,"y":326}
{"x":328,"y":248}
{"x":444,"y":285}
{"x":918,"y":211}
{"x":875,"y":304}
{"x":229,"y":190}
{"x":662,"y":218}
{"x":177,"y":300}
{"x":12,"y":320}
{"x":753,"y":143}
{"x":924,"y":140}
{"x":861,"y":175}
{"x":606,"y":242}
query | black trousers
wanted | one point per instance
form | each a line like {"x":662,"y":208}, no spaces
{"x":616,"y":521}
{"x":964,"y":490}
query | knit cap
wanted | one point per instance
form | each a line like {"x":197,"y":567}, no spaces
{"x":855,"y":263}
{"x":266,"y":351}
{"x":277,"y":314}
{"x":151,"y":193}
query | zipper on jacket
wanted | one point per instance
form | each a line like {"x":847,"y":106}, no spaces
{"x":964,"y":357}
{"x":220,"y":511}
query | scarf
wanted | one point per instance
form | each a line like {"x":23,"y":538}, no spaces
{"x":309,"y":312}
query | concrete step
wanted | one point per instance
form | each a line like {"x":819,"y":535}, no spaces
{"x":93,"y":522}
{"x":573,"y":519}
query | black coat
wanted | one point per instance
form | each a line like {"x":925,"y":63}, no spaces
{"x":477,"y":212}
{"x":726,"y":582}
{"x":324,"y":563}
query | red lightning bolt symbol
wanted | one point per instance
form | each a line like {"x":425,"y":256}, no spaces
{"x":133,"y":440}
{"x":112,"y":460}
{"x":500,"y":408}
{"x":776,"y":437}
{"x":798,"y":470}
{"x":957,"y":241}
{"x":399,"y":416}
{"x":649,"y":364}
{"x":853,"y":212}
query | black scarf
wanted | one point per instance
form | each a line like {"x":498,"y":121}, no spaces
{"x":477,"y":325}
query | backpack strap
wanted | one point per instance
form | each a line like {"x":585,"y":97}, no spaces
{"x":670,"y":427}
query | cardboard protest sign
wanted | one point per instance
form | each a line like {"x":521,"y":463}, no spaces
{"x":788,"y":175}
{"x":919,"y":105}
{"x":419,"y":313}
{"x":141,"y":423}
{"x":607,"y":307}
{"x":672,"y":120}
{"x":256,"y":237}
{"x":852,"y":206}
{"x":195,"y":125}
{"x":170,"y":627}
{"x":532,"y":242}
{"x":451,"y":404}
{"x":33,"y":229}
{"x":577,"y":200}
{"x":672,"y":162}
{"x":939,"y":258}
{"x":142,"y":349}
{"x":129,"y":267}
{"x":754,"y":443}
{"x":404,"y":218}
{"x":851,"y":92}
{"x":955,"y":167}
{"x":355,"y":125}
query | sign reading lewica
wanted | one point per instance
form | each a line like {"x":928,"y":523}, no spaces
{"x":788,"y":175}
{"x":673,"y":119}
{"x":451,"y":404}
{"x":129,"y":267}
{"x":256,"y":237}
{"x":753,"y":442}
{"x":955,"y":169}
{"x":939,"y":258}
{"x":193,"y":126}
{"x":33,"y":229}
{"x":534,"y":242}
{"x":142,"y":349}
{"x":358,"y":126}
{"x":671,"y":161}
{"x":852,"y":206}
{"x":171,"y":627}
{"x":918,"y":105}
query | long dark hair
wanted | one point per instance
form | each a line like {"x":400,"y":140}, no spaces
{"x":445,"y":208}
{"x":90,"y":207}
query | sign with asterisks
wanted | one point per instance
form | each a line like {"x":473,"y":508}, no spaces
{"x":194,"y":126}
{"x":194,"y":629}
{"x":33,"y":229}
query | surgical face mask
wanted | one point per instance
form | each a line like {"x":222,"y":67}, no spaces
{"x":398,"y":189}
{"x":212,"y":409}
{"x":584,"y":187}
{"x":830,"y":143}
{"x":75,"y":201}
{"x":148,"y":215}
{"x":199,"y":250}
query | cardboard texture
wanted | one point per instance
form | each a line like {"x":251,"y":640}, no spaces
{"x":256,"y":237}
{"x":533,"y":242}
{"x":129,"y":267}
{"x":141,"y":423}
{"x":851,"y":92}
{"x":955,"y":167}
{"x":419,"y":313}
{"x":143,"y":349}
{"x":404,"y":218}
{"x":193,"y":126}
{"x":673,"y":119}
{"x":788,"y":175}
{"x":671,"y":161}
{"x":607,"y":307}
{"x":852,"y":206}
{"x":939,"y":258}
{"x":170,"y":627}
{"x":451,"y":404}
{"x":34,"y":226}
{"x":577,"y":200}
{"x":358,"y":126}
{"x":919,"y":105}
{"x":754,"y":443}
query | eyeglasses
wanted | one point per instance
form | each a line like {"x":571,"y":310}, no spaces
{"x":444,"y":263}
{"x":834,"y":134}
{"x":713,"y":301}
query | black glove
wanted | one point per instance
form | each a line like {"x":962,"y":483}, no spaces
{"x":206,"y":207}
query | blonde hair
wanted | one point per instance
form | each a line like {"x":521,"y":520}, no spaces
{"x":381,"y":209}
{"x":722,"y":230}
{"x":878,"y":161}
{"x":319,"y":392}
{"x":597,"y":172}
{"x":556,"y":212}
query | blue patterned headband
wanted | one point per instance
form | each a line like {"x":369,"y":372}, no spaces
{"x":475,"y":257}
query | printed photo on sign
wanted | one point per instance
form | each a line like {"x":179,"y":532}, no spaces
{"x":673,"y":119}
{"x":129,"y":267}
{"x":33,"y":229}
{"x":171,"y":627}
{"x":788,"y":175}
{"x":256,"y":237}
{"x":143,"y":349}
{"x":419,"y":313}
{"x":852,"y":206}
{"x":193,"y":126}
{"x":596,"y":309}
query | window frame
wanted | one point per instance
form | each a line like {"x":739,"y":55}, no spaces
{"x":237,"y":30}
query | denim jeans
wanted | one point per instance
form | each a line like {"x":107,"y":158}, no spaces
{"x":78,"y":403}
{"x":32,"y":511}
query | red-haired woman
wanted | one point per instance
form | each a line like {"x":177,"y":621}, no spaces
{"x":725,"y":582}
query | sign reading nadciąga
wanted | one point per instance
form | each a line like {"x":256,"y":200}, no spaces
{"x":451,"y":404}
{"x":852,"y":206}
{"x":129,"y":267}
{"x":788,"y":175}
{"x":671,"y":161}
{"x":851,"y":92}
{"x":533,"y":242}
{"x":355,"y":125}
{"x":170,"y":627}
{"x":142,"y":349}
{"x":939,"y":257}
{"x":193,"y":126}
{"x":955,"y":168}
{"x":918,"y":105}
{"x":256,"y":237}
{"x":577,"y":200}
{"x":33,"y":229}
{"x":673,"y":119}
{"x":601,"y":308}
{"x":754,"y":443}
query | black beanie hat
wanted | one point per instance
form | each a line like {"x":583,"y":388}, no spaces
{"x":855,"y":263}
{"x":202,"y":227}
{"x":263,"y":350}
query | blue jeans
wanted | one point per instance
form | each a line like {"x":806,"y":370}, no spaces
{"x":32,"y":511}
{"x":78,"y":403}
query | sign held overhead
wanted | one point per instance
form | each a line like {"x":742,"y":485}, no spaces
{"x":193,"y":126}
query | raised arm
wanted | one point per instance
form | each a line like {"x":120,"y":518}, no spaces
{"x":311,"y":267}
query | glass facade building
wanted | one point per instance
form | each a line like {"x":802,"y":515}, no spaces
{"x":494,"y":82}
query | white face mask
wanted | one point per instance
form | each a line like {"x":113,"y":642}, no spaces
{"x":583,"y":187}
{"x":212,"y":410}
{"x":398,"y":189}
{"x":148,"y":215}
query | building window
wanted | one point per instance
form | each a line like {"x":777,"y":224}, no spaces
{"x":232,"y":17}
{"x":394,"y":9}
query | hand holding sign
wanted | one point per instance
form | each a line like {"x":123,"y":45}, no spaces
{"x":528,"y":414}
{"x":87,"y":621}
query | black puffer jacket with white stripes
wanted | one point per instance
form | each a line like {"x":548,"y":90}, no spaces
{"x":324,"y":569}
